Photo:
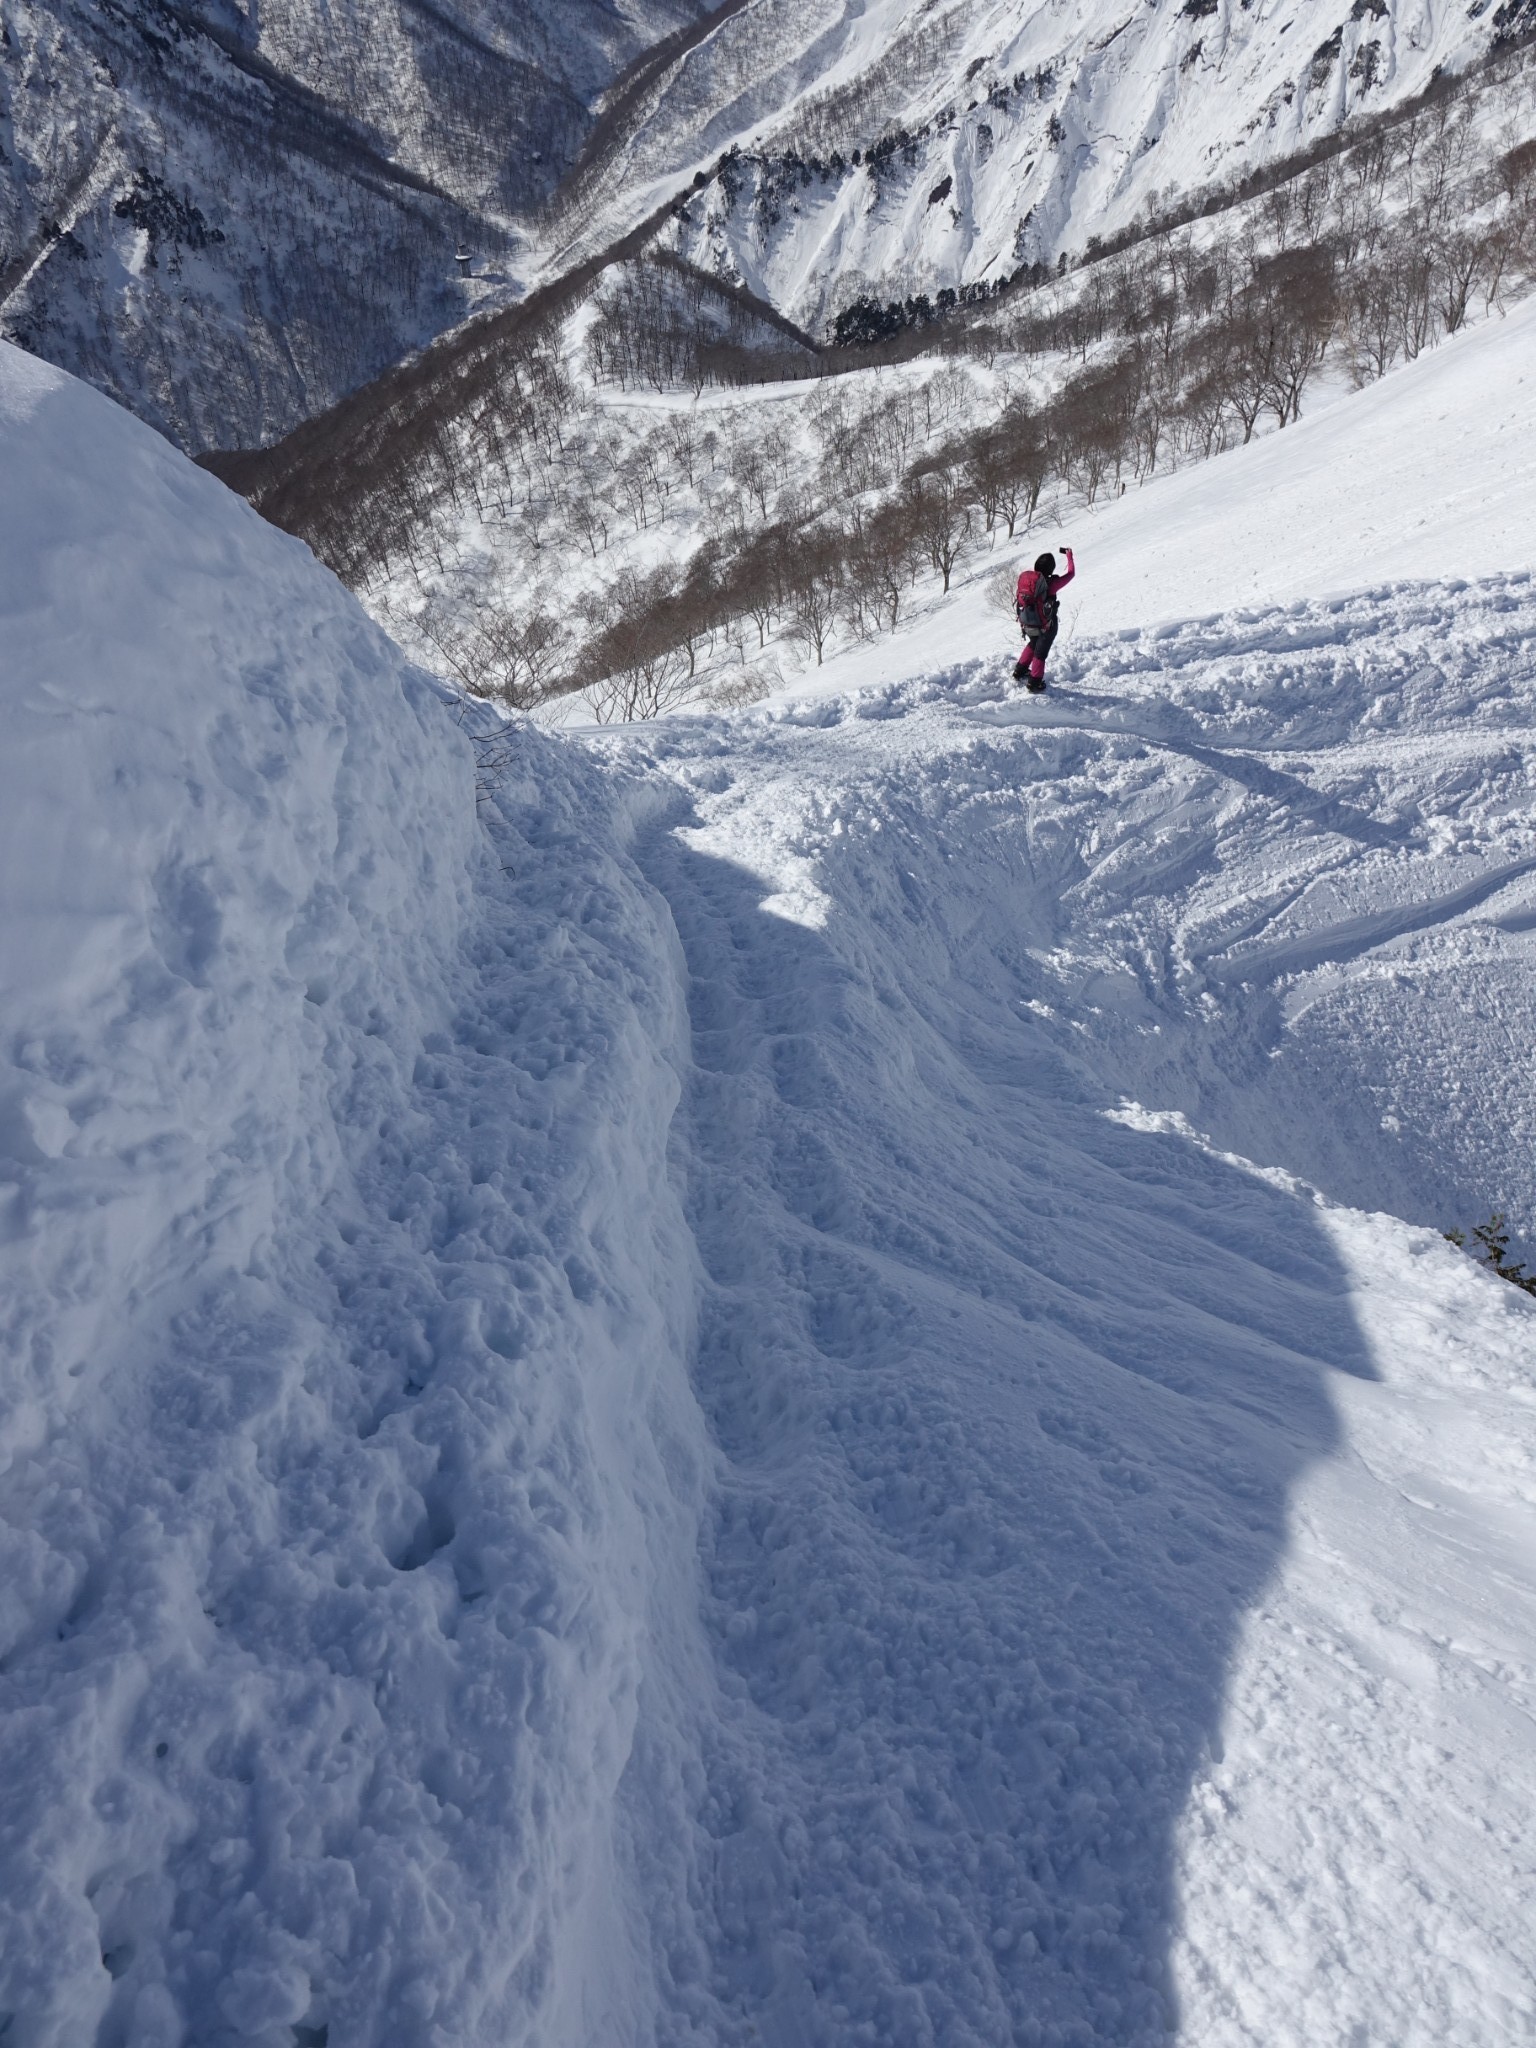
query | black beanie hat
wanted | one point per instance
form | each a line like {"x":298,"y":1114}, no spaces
{"x":1045,"y":565}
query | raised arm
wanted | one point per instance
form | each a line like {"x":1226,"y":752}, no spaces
{"x":1061,"y":582}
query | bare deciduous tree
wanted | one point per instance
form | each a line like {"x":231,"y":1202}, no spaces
{"x":518,"y":661}
{"x":941,"y":517}
{"x":815,"y":606}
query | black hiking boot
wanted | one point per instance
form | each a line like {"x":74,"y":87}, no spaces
{"x":1020,"y":671}
{"x":1035,"y":685}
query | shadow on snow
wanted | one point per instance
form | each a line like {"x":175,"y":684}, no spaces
{"x":1011,"y":1399}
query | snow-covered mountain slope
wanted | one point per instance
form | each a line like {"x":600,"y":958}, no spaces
{"x":737,"y":1406}
{"x":896,"y":148}
{"x":1428,"y":476}
{"x":227,"y":217}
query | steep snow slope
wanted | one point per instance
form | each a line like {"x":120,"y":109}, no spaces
{"x":714,"y":1413}
{"x":891,"y":148}
{"x":1428,"y":474}
{"x":227,"y":217}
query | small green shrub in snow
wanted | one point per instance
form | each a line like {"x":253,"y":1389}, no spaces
{"x":1493,"y":1236}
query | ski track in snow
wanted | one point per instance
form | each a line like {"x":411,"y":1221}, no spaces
{"x":804,"y":1393}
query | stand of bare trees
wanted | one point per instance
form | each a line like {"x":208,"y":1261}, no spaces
{"x":1175,"y":351}
{"x":664,"y":324}
{"x":515,"y":660}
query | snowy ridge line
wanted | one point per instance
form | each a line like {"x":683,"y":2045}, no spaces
{"x":81,"y":193}
{"x":740,"y":295}
{"x":884,"y":1199}
{"x":319,"y":127}
{"x":1028,"y":139}
{"x":621,"y":100}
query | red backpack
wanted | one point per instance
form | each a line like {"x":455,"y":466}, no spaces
{"x":1036,"y":606}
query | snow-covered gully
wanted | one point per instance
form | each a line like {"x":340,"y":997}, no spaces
{"x":803,"y":1389}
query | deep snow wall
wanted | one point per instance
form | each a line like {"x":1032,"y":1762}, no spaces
{"x":1092,"y":1648}
{"x":344,"y":1298}
{"x":1009,"y":1400}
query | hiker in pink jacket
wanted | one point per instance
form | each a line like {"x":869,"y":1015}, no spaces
{"x":1035,"y":604}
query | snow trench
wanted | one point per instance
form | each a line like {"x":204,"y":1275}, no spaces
{"x":1008,"y":1400}
{"x":1034,"y":1489}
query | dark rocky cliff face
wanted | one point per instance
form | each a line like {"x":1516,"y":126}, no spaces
{"x":228,"y":217}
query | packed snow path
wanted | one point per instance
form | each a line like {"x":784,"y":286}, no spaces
{"x":739,"y":1406}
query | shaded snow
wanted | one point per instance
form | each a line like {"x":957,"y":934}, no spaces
{"x":1095,"y":1525}
{"x":337,"y":1311}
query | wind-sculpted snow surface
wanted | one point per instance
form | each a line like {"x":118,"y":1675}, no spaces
{"x":677,"y":1416}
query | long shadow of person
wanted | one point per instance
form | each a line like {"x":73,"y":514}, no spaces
{"x":1009,"y":1400}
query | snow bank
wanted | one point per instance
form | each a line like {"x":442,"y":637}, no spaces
{"x":203,"y":739}
{"x":340,"y":1296}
